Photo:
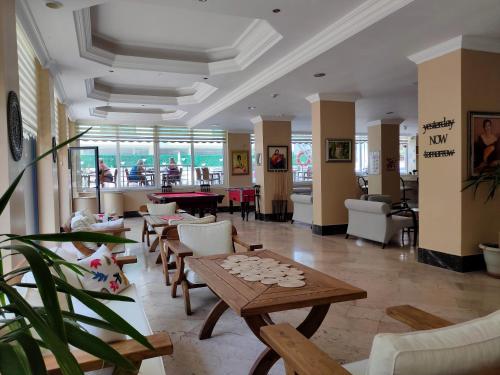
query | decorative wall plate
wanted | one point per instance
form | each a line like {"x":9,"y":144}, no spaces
{"x":14,"y":126}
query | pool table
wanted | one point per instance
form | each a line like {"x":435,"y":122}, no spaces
{"x":191,"y":201}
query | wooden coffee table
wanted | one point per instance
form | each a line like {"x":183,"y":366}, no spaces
{"x":253,"y":301}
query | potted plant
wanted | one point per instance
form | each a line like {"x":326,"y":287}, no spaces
{"x":491,"y":252}
{"x":55,"y":329}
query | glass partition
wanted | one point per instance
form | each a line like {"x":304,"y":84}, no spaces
{"x":137,"y":167}
{"x":209,"y":162}
{"x":175,"y":163}
{"x":85,"y":186}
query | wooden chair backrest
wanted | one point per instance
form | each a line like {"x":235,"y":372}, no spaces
{"x":127,"y":174}
{"x":115,"y":176}
{"x":143,"y":208}
{"x":206,"y":173}
{"x":205,"y":188}
{"x":198,"y":173}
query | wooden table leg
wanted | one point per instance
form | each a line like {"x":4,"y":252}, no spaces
{"x":269,"y":357}
{"x":155,"y":243}
{"x":212,"y":319}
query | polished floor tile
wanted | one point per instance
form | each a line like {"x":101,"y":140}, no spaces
{"x":391,"y":277}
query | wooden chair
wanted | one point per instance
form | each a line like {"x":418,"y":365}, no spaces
{"x":205,"y":188}
{"x":363,"y":184}
{"x":87,"y":251}
{"x":166,"y":188}
{"x":172,"y":246}
{"x":302,"y":357}
{"x":199,"y":178}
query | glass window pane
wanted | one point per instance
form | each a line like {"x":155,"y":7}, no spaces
{"x":108,"y":168}
{"x":302,"y":162}
{"x":137,"y":164}
{"x":254,"y":162}
{"x":175,"y":163}
{"x":209,"y":162}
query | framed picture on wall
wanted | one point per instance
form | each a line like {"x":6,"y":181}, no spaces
{"x":239,"y":163}
{"x":484,"y":142}
{"x":277,"y":158}
{"x":338,"y":150}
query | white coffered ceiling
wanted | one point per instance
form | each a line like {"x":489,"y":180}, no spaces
{"x":194,"y":63}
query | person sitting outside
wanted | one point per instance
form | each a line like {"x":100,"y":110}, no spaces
{"x":138,"y":173}
{"x":173,"y":171}
{"x":105,"y":174}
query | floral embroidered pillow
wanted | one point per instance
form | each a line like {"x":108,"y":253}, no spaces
{"x":104,"y":274}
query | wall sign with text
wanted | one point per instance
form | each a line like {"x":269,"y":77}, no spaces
{"x":438,"y":139}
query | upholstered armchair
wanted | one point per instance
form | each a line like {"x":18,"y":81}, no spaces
{"x":302,"y":208}
{"x":439,"y":348}
{"x":376,"y":221}
{"x":199,"y":240}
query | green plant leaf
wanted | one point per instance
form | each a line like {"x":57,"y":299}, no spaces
{"x":32,"y":351}
{"x":46,"y":287}
{"x":73,"y":236}
{"x":12,"y":361}
{"x":104,"y":312}
{"x":4,"y":200}
{"x":65,"y":359}
{"x":95,"y":346}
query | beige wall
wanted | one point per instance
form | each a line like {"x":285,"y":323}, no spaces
{"x":48,"y":191}
{"x":273,"y":133}
{"x":238,"y":142}
{"x":452,"y":221}
{"x":384,"y":138}
{"x":333,"y":183}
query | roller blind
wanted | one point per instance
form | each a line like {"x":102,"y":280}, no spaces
{"x":28,"y":82}
{"x":133,"y":133}
{"x":296,"y":138}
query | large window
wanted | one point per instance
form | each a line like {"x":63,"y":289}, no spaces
{"x":151,"y":156}
{"x":107,"y":153}
{"x":302,"y":161}
{"x":362,"y":155}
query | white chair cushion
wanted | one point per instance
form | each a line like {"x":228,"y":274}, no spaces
{"x":80,"y":223}
{"x":357,"y":368}
{"x":207,"y":239}
{"x":460,"y":349}
{"x":113,"y":224}
{"x":166,"y":209}
{"x":367,"y":206}
{"x":194,"y":220}
{"x":87,"y":214}
{"x":301,"y":198}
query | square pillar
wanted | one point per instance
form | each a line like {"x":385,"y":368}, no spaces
{"x":333,"y":117}
{"x":238,"y":142}
{"x":63,"y":172}
{"x":383,"y":138}
{"x":274,"y":185}
{"x":450,"y":85}
{"x":48,"y":195}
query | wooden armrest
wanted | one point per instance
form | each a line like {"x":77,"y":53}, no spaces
{"x":179,"y":249}
{"x":143,"y":213}
{"x":300,"y":354}
{"x":247,"y":246}
{"x":416,"y":318}
{"x":128,"y":259}
{"x":130,"y":349}
{"x":112,"y":231}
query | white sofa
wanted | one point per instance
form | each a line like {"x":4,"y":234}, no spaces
{"x":302,"y":208}
{"x":374,"y":221}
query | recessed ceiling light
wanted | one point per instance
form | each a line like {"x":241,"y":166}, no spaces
{"x":205,"y":77}
{"x":274,"y":96}
{"x":111,"y":71}
{"x":389,"y":113}
{"x":319,"y":75}
{"x":202,"y":1}
{"x":54,"y":4}
{"x":251,"y":108}
{"x":277,"y":10}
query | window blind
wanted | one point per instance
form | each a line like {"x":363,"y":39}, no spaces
{"x":131,"y":133}
{"x":28,"y":82}
{"x":301,"y":138}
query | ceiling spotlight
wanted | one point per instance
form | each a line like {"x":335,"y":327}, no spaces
{"x":111,"y":71}
{"x":389,"y":113}
{"x":277,"y":10}
{"x":54,"y":4}
{"x":205,"y":78}
{"x":215,"y":125}
{"x":251,"y":108}
{"x":202,"y":1}
{"x":274,"y":96}
{"x":319,"y":75}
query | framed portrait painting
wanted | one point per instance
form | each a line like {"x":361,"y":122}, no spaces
{"x":484,"y":142}
{"x":239,"y":163}
{"x":277,"y":158}
{"x":339,"y":150}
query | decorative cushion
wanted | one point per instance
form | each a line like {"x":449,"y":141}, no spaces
{"x":162,"y":209}
{"x":460,"y":349}
{"x":194,"y":220}
{"x":105,"y":275}
{"x":87,"y":214}
{"x":80,"y":223}
{"x":113,"y":224}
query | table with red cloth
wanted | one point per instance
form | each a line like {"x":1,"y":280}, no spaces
{"x":243,"y":195}
{"x":191,"y":201}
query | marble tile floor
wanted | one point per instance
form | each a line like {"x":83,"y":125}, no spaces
{"x":391,"y":277}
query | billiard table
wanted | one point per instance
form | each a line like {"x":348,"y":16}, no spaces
{"x":191,"y":201}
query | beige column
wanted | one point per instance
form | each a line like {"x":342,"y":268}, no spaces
{"x":452,"y":222}
{"x":48,"y":196}
{"x":333,"y":117}
{"x":12,"y":220}
{"x":63,"y":172}
{"x":273,"y":131}
{"x":238,"y":142}
{"x":383,"y":140}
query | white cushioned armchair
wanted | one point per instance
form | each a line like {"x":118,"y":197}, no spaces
{"x":302,"y":208}
{"x":375,"y":221}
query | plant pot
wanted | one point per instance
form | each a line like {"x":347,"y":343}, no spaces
{"x":491,"y":254}
{"x":280,"y":210}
